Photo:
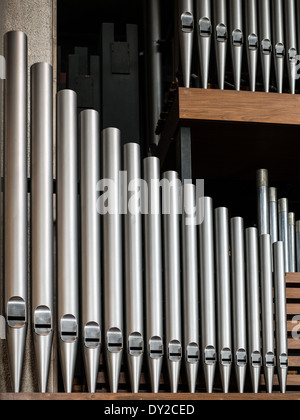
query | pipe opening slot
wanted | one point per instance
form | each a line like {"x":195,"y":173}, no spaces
{"x":92,"y":335}
{"x":210,"y":355}
{"x":187,"y":22}
{"x":256,"y":361}
{"x":279,"y":50}
{"x":136,"y":344}
{"x":253,"y":42}
{"x":266,"y":46}
{"x":69,"y":329}
{"x":156,"y":348}
{"x":270,"y":360}
{"x":16,"y":312}
{"x":175,"y":351}
{"x":241,"y":357}
{"x":192,"y":353}
{"x":114,"y":340}
{"x":237,"y":38}
{"x":292,"y":54}
{"x":222,"y":33}
{"x":226,"y":357}
{"x":284,"y":361}
{"x":205,"y":27}
{"x":42,"y":320}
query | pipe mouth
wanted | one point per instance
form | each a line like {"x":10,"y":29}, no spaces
{"x":262,"y":178}
{"x":292,"y":219}
{"x":272,"y":195}
{"x":283,"y":205}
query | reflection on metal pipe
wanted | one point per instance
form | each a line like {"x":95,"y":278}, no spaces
{"x":252,"y":40}
{"x":292,"y":242}
{"x":253,"y":287}
{"x":239,"y":300}
{"x":153,"y":270}
{"x":283,"y":210}
{"x":171,"y":197}
{"x":15,"y":202}
{"x":221,"y":37}
{"x":113,"y":264}
{"x":291,"y":42}
{"x":267,"y":311}
{"x":224,"y":295}
{"x":237,"y":39}
{"x":298,"y":245}
{"x":207,"y":279}
{"x":278,"y":41}
{"x":204,"y":32}
{"x":281,"y":315}
{"x":134,"y":267}
{"x":42,"y":217}
{"x":67,"y":234}
{"x":265,"y":40}
{"x":273,"y":211}
{"x":190,"y":286}
{"x":262,"y":183}
{"x":90,"y":246}
{"x":186,"y":35}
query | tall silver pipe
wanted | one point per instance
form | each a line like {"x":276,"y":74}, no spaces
{"x":292,"y":242}
{"x":204,"y":33}
{"x":252,"y":40}
{"x":15,"y":202}
{"x":283,"y":210}
{"x":224,"y":295}
{"x":153,"y":270}
{"x":278,"y":41}
{"x":265,"y":29}
{"x":154,"y":55}
{"x":190,"y":285}
{"x":298,"y":245}
{"x":262,"y":184}
{"x":237,"y":39}
{"x":134,"y":266}
{"x":281,"y":315}
{"x":239,"y":300}
{"x":42,"y":217}
{"x":207,"y":279}
{"x":254,"y":310}
{"x":91,"y":320}
{"x":186,"y":35}
{"x":291,"y":42}
{"x":171,"y":199}
{"x":273,"y":211}
{"x":67,"y":234}
{"x":267,"y":310}
{"x":113,"y":263}
{"x":221,"y":36}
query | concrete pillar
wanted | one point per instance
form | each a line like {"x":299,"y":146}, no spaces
{"x":37,"y":18}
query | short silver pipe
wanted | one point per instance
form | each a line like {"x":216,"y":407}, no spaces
{"x":265,"y":30}
{"x":278,"y":42}
{"x":292,"y":242}
{"x":254,"y":309}
{"x":283,"y":210}
{"x":298,"y":245}
{"x":15,"y":202}
{"x":67,"y":234}
{"x":222,"y":244}
{"x":204,"y":34}
{"x":291,"y":42}
{"x":220,"y":28}
{"x":153,"y":272}
{"x":42,"y":217}
{"x":208,"y":301}
{"x":239,"y":300}
{"x":186,"y":36}
{"x":113,"y":260}
{"x":236,"y":39}
{"x":281,"y":316}
{"x":91,"y":319}
{"x":171,"y":190}
{"x":134,"y":266}
{"x":252,"y":41}
{"x":267,"y":310}
{"x":190,"y":286}
{"x":262,"y":184}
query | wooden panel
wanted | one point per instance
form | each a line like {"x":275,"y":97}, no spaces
{"x":292,"y":293}
{"x":293,"y":309}
{"x":217,"y":105}
{"x":294,"y":361}
{"x":151,"y":397}
{"x":293,"y":344}
{"x":292,"y":278}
